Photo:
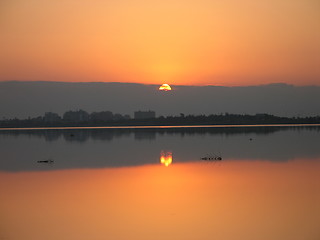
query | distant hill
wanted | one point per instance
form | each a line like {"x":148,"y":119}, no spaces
{"x":24,"y":99}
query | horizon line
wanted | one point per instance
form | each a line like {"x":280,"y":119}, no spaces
{"x":155,"y":84}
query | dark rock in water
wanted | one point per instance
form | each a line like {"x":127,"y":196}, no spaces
{"x":45,"y":161}
{"x":211,"y":158}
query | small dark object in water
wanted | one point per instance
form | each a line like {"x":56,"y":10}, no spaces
{"x":71,"y":135}
{"x":250,"y":139}
{"x":211,"y":158}
{"x":45,"y":161}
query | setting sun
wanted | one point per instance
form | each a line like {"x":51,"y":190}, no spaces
{"x":165,"y":87}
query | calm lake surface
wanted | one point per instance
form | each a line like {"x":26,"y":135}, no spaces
{"x":151,"y":183}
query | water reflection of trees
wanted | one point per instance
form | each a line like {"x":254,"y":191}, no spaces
{"x":82,"y":135}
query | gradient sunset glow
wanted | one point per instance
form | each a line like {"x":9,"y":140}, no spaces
{"x":201,"y":42}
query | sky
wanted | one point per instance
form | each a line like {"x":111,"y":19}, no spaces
{"x":180,"y":42}
{"x":32,"y":99}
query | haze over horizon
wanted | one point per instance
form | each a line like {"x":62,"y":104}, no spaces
{"x":32,"y":99}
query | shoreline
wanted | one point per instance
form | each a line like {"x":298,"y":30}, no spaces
{"x":161,"y":126}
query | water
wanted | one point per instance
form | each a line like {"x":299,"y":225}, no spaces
{"x":151,"y":183}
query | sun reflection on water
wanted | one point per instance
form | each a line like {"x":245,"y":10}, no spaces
{"x":166,"y":158}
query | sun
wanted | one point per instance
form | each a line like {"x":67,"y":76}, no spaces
{"x":165,"y":87}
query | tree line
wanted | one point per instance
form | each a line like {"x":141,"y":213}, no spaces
{"x":107,"y":118}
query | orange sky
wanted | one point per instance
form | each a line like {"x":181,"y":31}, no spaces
{"x":201,"y":42}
